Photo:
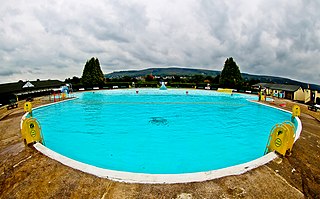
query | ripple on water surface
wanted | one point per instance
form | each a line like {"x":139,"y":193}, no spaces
{"x":159,"y":131}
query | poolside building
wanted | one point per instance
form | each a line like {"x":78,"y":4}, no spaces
{"x":22,"y":90}
{"x":305,"y":94}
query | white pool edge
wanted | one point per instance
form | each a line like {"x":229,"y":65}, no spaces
{"x":299,"y":126}
{"x":130,"y":177}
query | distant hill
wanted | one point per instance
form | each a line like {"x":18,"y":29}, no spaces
{"x":280,"y":80}
{"x":163,"y":72}
{"x":191,"y":72}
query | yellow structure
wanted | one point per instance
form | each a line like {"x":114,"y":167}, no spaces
{"x":281,"y":138}
{"x":301,"y":95}
{"x":28,"y":107}
{"x":292,"y":92}
{"x":305,"y":95}
{"x":317,"y":95}
{"x":31,"y":131}
{"x":225,"y":90}
{"x":262,"y":96}
{"x":296,"y":111}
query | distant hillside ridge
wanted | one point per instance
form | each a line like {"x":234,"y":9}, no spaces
{"x":163,"y":72}
{"x":190,"y":72}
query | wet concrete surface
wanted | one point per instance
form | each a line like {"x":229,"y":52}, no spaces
{"x":26,"y":173}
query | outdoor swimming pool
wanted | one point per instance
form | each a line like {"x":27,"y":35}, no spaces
{"x":159,"y":132}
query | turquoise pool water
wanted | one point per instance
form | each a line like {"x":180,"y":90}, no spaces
{"x":159,"y":132}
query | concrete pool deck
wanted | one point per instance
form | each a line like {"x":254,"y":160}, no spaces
{"x":26,"y":173}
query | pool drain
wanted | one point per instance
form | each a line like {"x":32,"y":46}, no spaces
{"x":158,"y":121}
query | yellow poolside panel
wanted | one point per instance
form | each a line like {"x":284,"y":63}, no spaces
{"x":281,"y":138}
{"x":296,"y":111}
{"x":225,"y":90}
{"x":28,"y":107}
{"x":31,"y":131}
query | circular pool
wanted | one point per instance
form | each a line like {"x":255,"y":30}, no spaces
{"x":159,"y":132}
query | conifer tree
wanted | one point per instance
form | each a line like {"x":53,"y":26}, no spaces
{"x":230,"y":75}
{"x":92,"y":74}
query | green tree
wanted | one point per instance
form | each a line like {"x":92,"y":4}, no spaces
{"x":92,"y":74}
{"x":149,"y":78}
{"x":230,"y":75}
{"x":74,"y":80}
{"x":216,"y":79}
{"x":126,"y":79}
{"x":176,"y":78}
{"x":209,"y":79}
{"x":197,"y":78}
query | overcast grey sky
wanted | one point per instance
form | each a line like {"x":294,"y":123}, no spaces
{"x":53,"y":39}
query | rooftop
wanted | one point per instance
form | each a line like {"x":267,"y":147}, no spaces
{"x":17,"y":87}
{"x":284,"y":87}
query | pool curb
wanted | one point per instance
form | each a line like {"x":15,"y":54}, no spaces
{"x":130,"y":177}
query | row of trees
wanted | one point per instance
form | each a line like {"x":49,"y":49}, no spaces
{"x":230,"y":77}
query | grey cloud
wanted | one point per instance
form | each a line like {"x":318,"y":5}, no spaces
{"x":103,"y":30}
{"x":7,"y":72}
{"x":54,"y":39}
{"x":121,"y":24}
{"x":273,"y":41}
